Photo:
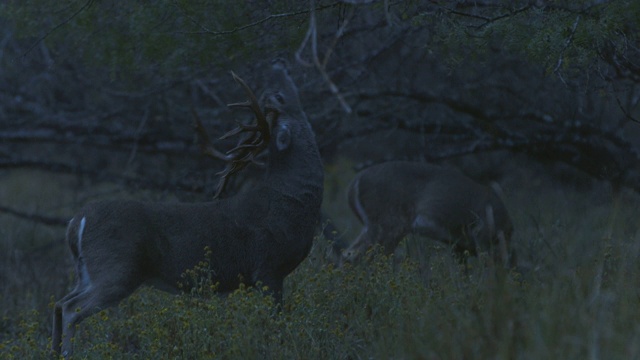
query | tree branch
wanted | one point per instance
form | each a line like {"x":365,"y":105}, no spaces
{"x":43,"y":219}
{"x":58,"y":26}
{"x":208,"y":31}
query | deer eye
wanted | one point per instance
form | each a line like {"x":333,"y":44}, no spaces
{"x":279,"y":98}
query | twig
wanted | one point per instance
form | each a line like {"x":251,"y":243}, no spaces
{"x":626,"y":113}
{"x":315,"y":60}
{"x":55,"y":28}
{"x":486,"y":20}
{"x":208,"y":31}
{"x":567,"y":42}
{"x":43,"y":219}
{"x":143,"y":122}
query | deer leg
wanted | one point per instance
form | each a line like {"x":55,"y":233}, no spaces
{"x":90,"y":296}
{"x":504,"y":251}
{"x":357,"y":247}
{"x":72,"y":311}
{"x":56,"y":336}
{"x":83,"y":304}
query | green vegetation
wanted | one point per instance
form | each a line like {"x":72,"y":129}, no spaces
{"x":172,"y":38}
{"x":577,"y":300}
{"x":161,"y":38}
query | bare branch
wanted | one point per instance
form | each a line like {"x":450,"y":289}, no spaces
{"x":486,"y":20}
{"x":208,"y":31}
{"x":143,"y":122}
{"x":315,"y":60}
{"x":358,"y":2}
{"x":43,"y":219}
{"x":58,"y":26}
{"x":626,"y":113}
{"x":567,"y":43}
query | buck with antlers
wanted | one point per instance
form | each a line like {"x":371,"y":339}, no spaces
{"x":395,"y":199}
{"x":260,"y":235}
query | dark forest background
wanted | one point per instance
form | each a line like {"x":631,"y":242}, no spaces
{"x":105,"y":90}
{"x":97,"y":101}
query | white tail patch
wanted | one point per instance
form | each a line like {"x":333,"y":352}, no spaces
{"x":358,"y":205}
{"x":83,"y":274}
{"x":360,"y":242}
{"x":80,"y":231}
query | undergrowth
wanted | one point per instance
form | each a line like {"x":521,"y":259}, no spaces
{"x":577,"y":297}
{"x":381,"y":309}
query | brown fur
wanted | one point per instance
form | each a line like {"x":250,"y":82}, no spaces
{"x":257,"y":236}
{"x":395,"y":199}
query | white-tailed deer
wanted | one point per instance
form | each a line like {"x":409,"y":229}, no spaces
{"x":395,"y":199}
{"x":260,"y":235}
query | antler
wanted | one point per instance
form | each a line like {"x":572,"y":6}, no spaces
{"x":249,"y":147}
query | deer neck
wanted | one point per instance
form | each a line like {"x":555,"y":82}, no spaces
{"x":297,"y":172}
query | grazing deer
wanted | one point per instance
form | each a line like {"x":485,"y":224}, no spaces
{"x":395,"y":199}
{"x":257,"y":236}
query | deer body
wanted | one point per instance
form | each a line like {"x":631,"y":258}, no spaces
{"x":256,"y":236}
{"x":395,"y":199}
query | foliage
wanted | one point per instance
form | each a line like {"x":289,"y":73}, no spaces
{"x":573,"y":300}
{"x":569,"y":38}
{"x":172,"y":37}
{"x":125,"y":76}
{"x":377,"y":311}
{"x":161,"y":37}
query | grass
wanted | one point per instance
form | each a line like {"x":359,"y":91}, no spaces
{"x":577,"y":300}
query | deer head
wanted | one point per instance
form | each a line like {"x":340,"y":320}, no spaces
{"x":258,"y":236}
{"x":395,"y":199}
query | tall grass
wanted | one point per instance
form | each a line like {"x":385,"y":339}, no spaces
{"x":576,"y":299}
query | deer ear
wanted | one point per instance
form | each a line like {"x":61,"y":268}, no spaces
{"x":283,"y":137}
